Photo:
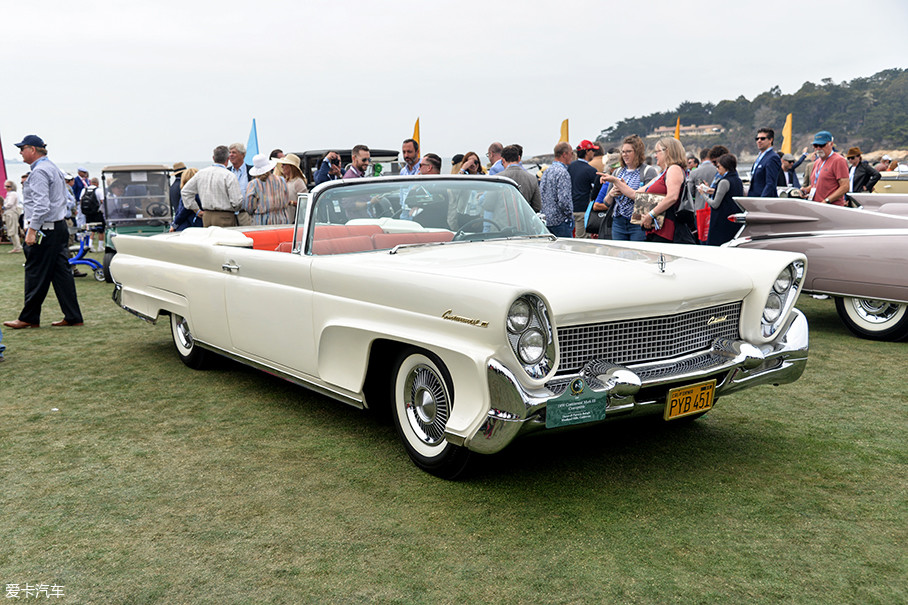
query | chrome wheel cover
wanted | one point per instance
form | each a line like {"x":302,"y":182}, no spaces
{"x":183,"y":334}
{"x":427,"y":405}
{"x":875,"y":311}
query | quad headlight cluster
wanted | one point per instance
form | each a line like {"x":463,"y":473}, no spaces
{"x":782,"y":297}
{"x":530,"y":335}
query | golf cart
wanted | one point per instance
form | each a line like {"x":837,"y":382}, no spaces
{"x":136,"y":202}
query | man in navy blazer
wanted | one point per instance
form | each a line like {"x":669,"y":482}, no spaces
{"x":765,"y":172}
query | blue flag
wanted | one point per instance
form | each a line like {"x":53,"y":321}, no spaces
{"x":252,"y":147}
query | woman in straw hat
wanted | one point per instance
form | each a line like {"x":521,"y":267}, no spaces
{"x":296,"y":181}
{"x":267,"y":198}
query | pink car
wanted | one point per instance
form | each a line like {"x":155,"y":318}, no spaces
{"x":859,"y":256}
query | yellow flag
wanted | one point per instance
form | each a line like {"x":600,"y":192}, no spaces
{"x":678,"y":129}
{"x":416,"y":131}
{"x":564,"y":132}
{"x":786,"y":135}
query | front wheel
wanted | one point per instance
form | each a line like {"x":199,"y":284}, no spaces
{"x":190,"y":353}
{"x":874,"y":319}
{"x":108,"y":256}
{"x":422,"y":400}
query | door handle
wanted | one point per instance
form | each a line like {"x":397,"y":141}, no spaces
{"x":230,"y":266}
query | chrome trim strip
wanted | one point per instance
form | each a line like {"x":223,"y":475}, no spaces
{"x":303,"y":382}
{"x":117,"y":297}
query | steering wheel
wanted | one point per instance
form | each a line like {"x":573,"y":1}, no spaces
{"x":380,"y":207}
{"x":158,"y":209}
{"x":463,"y":228}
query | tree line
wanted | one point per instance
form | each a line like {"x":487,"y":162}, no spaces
{"x":869,"y":112}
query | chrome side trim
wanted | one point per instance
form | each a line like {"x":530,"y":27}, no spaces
{"x":117,"y":297}
{"x":297,"y":380}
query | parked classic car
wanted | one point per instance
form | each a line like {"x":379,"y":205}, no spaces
{"x":856,"y":255}
{"x":467,"y":316}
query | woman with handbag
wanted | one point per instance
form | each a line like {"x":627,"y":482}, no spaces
{"x":634,"y":173}
{"x":664,"y":192}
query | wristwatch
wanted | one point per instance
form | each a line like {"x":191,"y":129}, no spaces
{"x":825,"y":200}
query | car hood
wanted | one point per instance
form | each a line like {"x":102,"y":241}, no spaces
{"x":577,"y":277}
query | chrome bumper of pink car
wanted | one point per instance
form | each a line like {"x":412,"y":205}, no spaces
{"x":641,"y":389}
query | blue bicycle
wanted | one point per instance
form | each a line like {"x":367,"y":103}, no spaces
{"x":83,"y":235}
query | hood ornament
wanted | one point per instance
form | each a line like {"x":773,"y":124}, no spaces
{"x":661,"y":263}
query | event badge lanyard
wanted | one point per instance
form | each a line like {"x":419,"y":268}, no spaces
{"x":813,"y":188}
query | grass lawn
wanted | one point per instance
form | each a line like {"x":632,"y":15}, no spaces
{"x":126,"y":477}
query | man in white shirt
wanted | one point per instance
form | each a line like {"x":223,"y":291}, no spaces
{"x":218,"y":190}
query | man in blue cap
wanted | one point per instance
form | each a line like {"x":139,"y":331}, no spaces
{"x":46,"y":237}
{"x":829,"y":176}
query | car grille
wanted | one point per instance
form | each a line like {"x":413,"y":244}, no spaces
{"x":648,"y":339}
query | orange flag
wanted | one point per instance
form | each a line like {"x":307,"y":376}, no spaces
{"x":678,"y":129}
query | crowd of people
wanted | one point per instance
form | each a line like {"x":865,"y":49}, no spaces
{"x":625,"y":194}
{"x":686,"y":198}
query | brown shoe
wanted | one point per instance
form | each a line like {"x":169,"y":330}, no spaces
{"x":63,"y":322}
{"x":17,"y":324}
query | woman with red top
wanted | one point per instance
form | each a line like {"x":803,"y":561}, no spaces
{"x":671,"y":159}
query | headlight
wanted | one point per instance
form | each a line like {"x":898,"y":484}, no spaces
{"x":783,"y":281}
{"x":531,"y":346}
{"x":518,"y":316}
{"x":782,"y":297}
{"x":773,"y":308}
{"x":531,"y":336}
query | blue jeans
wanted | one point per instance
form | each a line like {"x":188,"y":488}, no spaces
{"x":624,"y":229}
{"x":564,"y":229}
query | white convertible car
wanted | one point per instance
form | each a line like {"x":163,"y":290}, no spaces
{"x":446,"y":299}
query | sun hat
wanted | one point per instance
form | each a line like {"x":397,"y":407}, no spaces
{"x":178,"y":168}
{"x":822,"y":138}
{"x":33,"y":140}
{"x":886,"y":157}
{"x":291,"y":159}
{"x":261,"y":165}
{"x":853,"y":151}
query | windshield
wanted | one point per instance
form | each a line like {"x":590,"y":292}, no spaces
{"x":379,"y":215}
{"x":136,"y":196}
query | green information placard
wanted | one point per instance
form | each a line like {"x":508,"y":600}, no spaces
{"x":578,"y":404}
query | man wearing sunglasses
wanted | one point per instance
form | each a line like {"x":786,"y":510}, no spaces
{"x":765,"y":172}
{"x":829,"y":176}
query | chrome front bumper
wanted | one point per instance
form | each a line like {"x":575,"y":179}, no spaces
{"x":640,"y":389}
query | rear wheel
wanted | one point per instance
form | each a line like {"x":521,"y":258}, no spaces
{"x":874,"y":319}
{"x":422,"y":402}
{"x":190,"y":353}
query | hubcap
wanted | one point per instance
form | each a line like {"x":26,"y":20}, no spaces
{"x":875,"y":311}
{"x":427,"y":404}
{"x":183,"y":333}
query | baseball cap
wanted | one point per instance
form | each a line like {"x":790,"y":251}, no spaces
{"x":33,"y":140}
{"x":584,"y":145}
{"x":823,"y":137}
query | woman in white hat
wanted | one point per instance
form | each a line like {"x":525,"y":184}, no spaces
{"x":267,"y":198}
{"x":296,"y":182}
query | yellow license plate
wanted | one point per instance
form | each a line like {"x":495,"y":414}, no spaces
{"x":695,"y":399}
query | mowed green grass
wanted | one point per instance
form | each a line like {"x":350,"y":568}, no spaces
{"x":126,"y":477}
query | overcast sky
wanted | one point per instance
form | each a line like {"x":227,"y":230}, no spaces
{"x":163,"y":81}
